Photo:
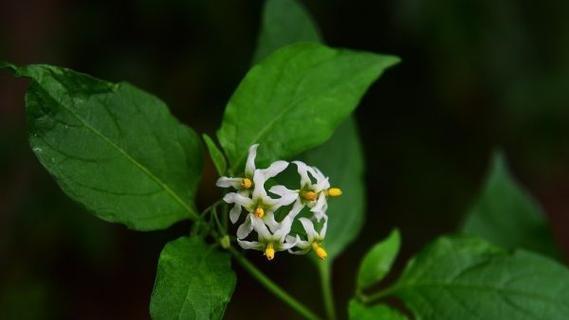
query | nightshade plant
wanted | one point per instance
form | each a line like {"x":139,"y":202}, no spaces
{"x":119,"y":152}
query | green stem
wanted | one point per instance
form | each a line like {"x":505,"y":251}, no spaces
{"x":325,"y":280}
{"x":217,"y":222}
{"x":273,"y":287}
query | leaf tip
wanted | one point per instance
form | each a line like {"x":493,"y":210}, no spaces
{"x":391,"y":61}
{"x":11,"y":67}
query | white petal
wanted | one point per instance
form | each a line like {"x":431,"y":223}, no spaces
{"x":290,"y":242}
{"x":309,"y":228}
{"x":250,"y":165}
{"x":319,"y":215}
{"x":304,"y":247}
{"x":238,"y":198}
{"x":284,"y":229}
{"x":259,"y":182}
{"x":324,"y":228}
{"x":290,"y":238}
{"x":226,"y":182}
{"x":282,"y":191}
{"x":320,"y":207}
{"x":321,"y":180}
{"x":259,"y":226}
{"x":273,"y":204}
{"x":250,"y":245}
{"x":302,"y":169}
{"x":296,"y":208}
{"x":270,"y":221}
{"x":322,"y":184}
{"x":274,"y":169}
{"x":245,"y":228}
{"x":235,"y":213}
{"x":287,"y":196}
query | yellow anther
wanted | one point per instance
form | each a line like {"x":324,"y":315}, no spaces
{"x":246,"y":183}
{"x":320,"y":252}
{"x":334,"y":192}
{"x":309,"y":195}
{"x":270,"y":252}
{"x":259,"y":212}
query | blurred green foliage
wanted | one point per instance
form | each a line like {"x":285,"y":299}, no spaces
{"x":475,"y":75}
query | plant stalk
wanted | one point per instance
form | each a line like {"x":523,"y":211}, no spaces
{"x":327,"y":294}
{"x":273,"y":287}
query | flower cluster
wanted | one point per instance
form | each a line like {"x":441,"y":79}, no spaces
{"x":252,"y":198}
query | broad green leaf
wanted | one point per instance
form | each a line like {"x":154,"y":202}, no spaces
{"x":506,"y":215}
{"x":112,"y":147}
{"x":341,"y":159}
{"x":193,"y":281}
{"x":284,"y":22}
{"x":216,"y":155}
{"x":294,"y":99}
{"x":378,"y":261}
{"x":358,"y":311}
{"x":470,"y":279}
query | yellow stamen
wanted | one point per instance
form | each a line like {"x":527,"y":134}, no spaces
{"x":320,"y":252}
{"x":246,"y":183}
{"x":334,"y":192}
{"x":259,"y":212}
{"x":270,"y":252}
{"x":309,"y":195}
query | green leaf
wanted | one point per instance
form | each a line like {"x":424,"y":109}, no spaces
{"x":193,"y":281}
{"x":294,"y":99}
{"x":341,"y":159}
{"x":6,"y":65}
{"x":506,"y":215}
{"x":284,"y":22}
{"x":378,"y":261}
{"x":470,"y":279}
{"x":112,"y":147}
{"x":216,"y":155}
{"x":358,"y":311}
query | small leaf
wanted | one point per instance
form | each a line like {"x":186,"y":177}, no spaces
{"x":112,"y":147}
{"x":470,"y":279}
{"x":358,"y":311}
{"x":284,"y":22}
{"x":216,"y":155}
{"x":378,"y":261}
{"x":506,"y":215}
{"x":193,"y":281}
{"x":294,"y":100}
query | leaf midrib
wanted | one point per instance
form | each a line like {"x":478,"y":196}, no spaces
{"x":123,"y":152}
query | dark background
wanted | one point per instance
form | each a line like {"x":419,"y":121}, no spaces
{"x":476,"y":75}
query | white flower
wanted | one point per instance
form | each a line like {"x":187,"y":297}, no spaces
{"x":314,"y":195}
{"x":273,"y":236}
{"x":244,"y":183}
{"x":259,"y":205}
{"x":269,"y":242}
{"x":314,"y":239}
